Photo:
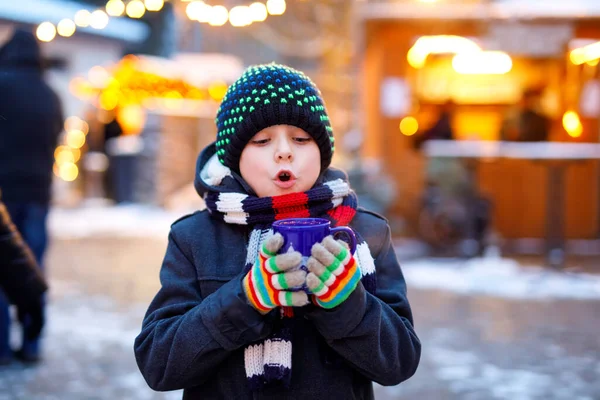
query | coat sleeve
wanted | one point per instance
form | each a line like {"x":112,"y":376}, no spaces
{"x":185,"y":337}
{"x":375,"y":333}
{"x":20,"y":276}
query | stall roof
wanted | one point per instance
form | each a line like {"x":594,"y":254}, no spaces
{"x":499,"y":9}
{"x":37,"y":11}
{"x":200,"y":69}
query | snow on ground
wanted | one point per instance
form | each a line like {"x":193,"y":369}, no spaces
{"x":501,"y":277}
{"x":88,"y":352}
{"x":122,"y":221}
{"x":490,"y":275}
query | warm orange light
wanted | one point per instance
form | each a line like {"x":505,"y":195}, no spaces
{"x":76,"y":154}
{"x":440,"y":44}
{"x":64,"y":156}
{"x":572,"y":124}
{"x":109,"y":100}
{"x":409,"y":126}
{"x":59,"y":150}
{"x":482,"y":63}
{"x":217,"y":90}
{"x":68,"y":172}
{"x":132,"y":119}
{"x":75,"y":139}
{"x":585,"y":54}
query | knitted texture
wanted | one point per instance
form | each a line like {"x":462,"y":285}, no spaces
{"x":334,"y":273}
{"x":269,"y":362}
{"x":267,"y":95}
{"x":273,"y":277}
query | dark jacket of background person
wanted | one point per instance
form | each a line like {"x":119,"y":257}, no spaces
{"x":30,"y":122}
{"x":526,"y":124}
{"x":196,"y":328}
{"x":441,"y":129}
{"x":20,"y":278}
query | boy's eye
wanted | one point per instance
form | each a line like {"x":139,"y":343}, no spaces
{"x":260,"y":141}
{"x":303,"y":139}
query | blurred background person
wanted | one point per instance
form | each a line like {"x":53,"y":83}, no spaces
{"x":30,"y":123}
{"x":442,"y":128}
{"x":451,"y":208}
{"x":21,"y":280}
{"x":526,"y":123}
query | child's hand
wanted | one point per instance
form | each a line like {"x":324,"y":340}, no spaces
{"x":333,"y":272}
{"x":269,"y":282}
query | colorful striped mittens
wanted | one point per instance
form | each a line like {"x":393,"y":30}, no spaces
{"x":274,"y":280}
{"x":334,"y":273}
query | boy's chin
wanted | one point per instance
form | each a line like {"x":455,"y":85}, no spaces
{"x":275,"y":190}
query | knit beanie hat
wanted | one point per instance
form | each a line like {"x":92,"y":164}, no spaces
{"x":267,"y":95}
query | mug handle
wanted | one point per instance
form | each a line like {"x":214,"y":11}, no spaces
{"x":349,"y":232}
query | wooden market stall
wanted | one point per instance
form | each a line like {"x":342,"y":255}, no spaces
{"x":165,"y":109}
{"x":410,"y":68}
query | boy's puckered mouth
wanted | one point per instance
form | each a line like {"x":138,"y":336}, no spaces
{"x":285,"y":179}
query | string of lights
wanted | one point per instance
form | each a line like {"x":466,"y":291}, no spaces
{"x":196,"y":10}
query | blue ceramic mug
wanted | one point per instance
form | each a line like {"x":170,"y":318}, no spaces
{"x":300,"y":234}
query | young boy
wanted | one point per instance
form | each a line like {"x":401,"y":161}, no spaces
{"x":230,"y":321}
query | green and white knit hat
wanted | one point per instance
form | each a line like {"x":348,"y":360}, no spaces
{"x":267,"y":95}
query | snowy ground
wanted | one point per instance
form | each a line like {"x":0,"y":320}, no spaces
{"x":491,"y":328}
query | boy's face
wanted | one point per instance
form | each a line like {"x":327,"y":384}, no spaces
{"x":280,"y":159}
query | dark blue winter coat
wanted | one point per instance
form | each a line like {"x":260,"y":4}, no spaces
{"x":30,"y":122}
{"x":196,"y":328}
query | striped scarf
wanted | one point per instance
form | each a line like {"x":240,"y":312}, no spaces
{"x":269,"y":362}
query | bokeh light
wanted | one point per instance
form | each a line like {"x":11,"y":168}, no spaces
{"x":258,"y":11}
{"x":99,"y":19}
{"x":76,"y":123}
{"x":572,"y":124}
{"x":218,"y":16}
{"x":409,"y":126}
{"x":115,"y":8}
{"x":46,"y":32}
{"x":75,"y":139}
{"x":135,"y":9}
{"x":240,"y":16}
{"x":154,"y":5}
{"x":66,"y":27}
{"x":68,"y":171}
{"x":276,"y":7}
{"x":83,"y":18}
{"x":217,"y":90}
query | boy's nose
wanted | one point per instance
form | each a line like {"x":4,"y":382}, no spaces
{"x":284,"y":151}
{"x":284,"y":155}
